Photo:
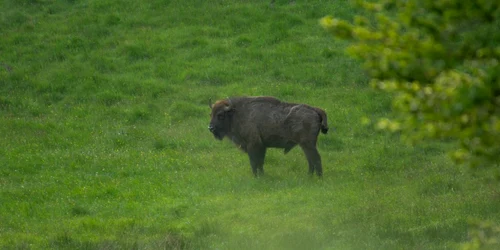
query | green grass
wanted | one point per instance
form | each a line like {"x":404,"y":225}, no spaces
{"x":104,"y":141}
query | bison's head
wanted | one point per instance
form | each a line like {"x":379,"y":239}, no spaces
{"x":221,"y":117}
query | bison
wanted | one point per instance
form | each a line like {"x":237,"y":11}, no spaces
{"x":257,"y":123}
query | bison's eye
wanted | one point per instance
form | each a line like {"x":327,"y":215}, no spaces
{"x":220,"y":117}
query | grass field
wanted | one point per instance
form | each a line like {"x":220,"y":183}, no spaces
{"x":104,"y":141}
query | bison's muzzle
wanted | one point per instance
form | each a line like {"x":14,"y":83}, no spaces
{"x":217,"y":134}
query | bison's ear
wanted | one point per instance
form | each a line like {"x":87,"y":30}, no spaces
{"x":229,"y":110}
{"x":229,"y":105}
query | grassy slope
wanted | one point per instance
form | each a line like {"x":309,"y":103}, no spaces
{"x":103,"y":139}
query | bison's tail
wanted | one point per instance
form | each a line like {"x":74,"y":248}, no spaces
{"x":324,"y":121}
{"x":324,"y":129}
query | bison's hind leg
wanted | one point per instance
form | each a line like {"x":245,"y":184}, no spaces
{"x":313,"y":158}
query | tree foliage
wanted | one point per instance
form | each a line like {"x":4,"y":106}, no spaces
{"x":440,"y":58}
{"x":484,"y":235}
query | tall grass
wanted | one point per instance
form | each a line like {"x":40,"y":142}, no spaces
{"x":103,"y":139}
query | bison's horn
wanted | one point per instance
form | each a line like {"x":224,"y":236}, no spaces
{"x":210,"y":102}
{"x":228,"y":107}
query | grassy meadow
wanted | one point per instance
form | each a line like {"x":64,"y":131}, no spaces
{"x":104,"y":141}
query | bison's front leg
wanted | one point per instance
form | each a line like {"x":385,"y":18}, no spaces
{"x":313,"y":158}
{"x":257,"y":155}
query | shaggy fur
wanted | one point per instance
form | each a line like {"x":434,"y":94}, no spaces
{"x":257,"y":123}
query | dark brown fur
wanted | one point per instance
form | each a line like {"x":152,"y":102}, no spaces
{"x":257,"y":123}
